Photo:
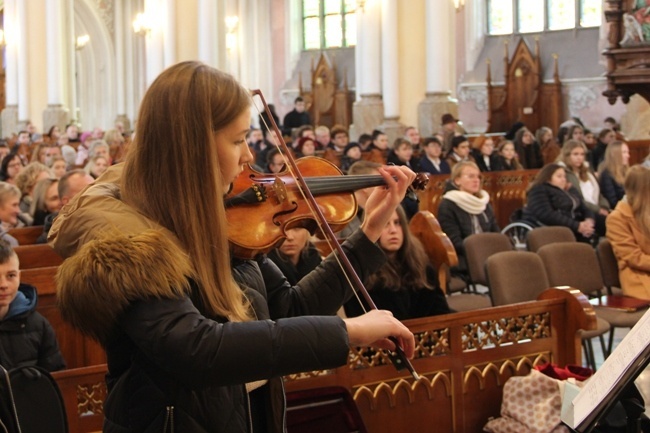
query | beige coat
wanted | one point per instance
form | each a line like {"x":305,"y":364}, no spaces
{"x":632,"y":250}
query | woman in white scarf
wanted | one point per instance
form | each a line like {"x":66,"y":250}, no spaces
{"x":465,"y":209}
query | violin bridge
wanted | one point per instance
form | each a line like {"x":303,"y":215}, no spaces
{"x":280,"y":190}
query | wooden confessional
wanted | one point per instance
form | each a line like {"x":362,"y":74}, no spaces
{"x":524,"y":97}
{"x":329,"y":102}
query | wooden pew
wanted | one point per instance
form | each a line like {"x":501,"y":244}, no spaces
{"x":37,"y":256}
{"x":507,"y":191}
{"x":77,"y":349}
{"x":464,"y":360}
{"x":84,"y":393}
{"x":26,"y":235}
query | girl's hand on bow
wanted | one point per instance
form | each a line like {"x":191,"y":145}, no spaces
{"x":374,"y":328}
{"x":384,"y":199}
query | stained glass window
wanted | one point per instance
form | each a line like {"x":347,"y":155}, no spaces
{"x":529,"y":16}
{"x":329,"y":23}
{"x":500,"y":17}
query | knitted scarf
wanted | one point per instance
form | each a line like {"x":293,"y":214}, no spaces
{"x":469,"y":202}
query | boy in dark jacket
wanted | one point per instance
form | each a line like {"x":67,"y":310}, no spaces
{"x":26,"y":337}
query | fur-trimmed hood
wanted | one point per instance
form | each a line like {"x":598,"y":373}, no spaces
{"x":114,"y":256}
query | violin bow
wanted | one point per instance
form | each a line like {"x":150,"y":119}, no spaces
{"x":398,"y":358}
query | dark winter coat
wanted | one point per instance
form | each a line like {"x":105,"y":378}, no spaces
{"x":26,"y":337}
{"x":408,"y":303}
{"x":610,"y":189}
{"x":168,"y":359}
{"x":549,"y":205}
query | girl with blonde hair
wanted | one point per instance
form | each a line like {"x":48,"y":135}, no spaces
{"x":628,"y":230}
{"x":206,"y":344}
{"x":612,"y":172}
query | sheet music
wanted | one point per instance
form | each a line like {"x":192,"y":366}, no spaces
{"x":601,"y":383}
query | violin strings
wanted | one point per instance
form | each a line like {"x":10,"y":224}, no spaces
{"x":312,"y":210}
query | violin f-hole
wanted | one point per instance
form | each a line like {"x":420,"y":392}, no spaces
{"x":277,"y":215}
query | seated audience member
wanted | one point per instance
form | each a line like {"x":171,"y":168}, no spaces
{"x":265,"y":121}
{"x":465,"y":209}
{"x":39,"y":154}
{"x":483,"y":153}
{"x":70,"y":184}
{"x":460,"y":151}
{"x":550,"y":201}
{"x":528,"y":150}
{"x":407,"y":285}
{"x":306,"y":147}
{"x":296,"y":117}
{"x":575,"y":132}
{"x":547,"y":144}
{"x":9,"y":211}
{"x":57,"y":166}
{"x":431,"y":161}
{"x":116,"y":149}
{"x":589,"y":139}
{"x":412,"y":134}
{"x":612,"y":172}
{"x":274,"y":161}
{"x":296,"y":257}
{"x":605,"y":137}
{"x":82,"y":149}
{"x":401,"y":154}
{"x":46,"y":200}
{"x":448,"y":129}
{"x":379,"y":141}
{"x":26,"y":337}
{"x":359,"y":168}
{"x":628,"y":230}
{"x":323,"y":137}
{"x":26,"y":181}
{"x":351,"y":154}
{"x":508,"y":156}
{"x":53,"y":134}
{"x":340,"y":138}
{"x":10,"y":167}
{"x":365,"y":140}
{"x":96,"y":166}
{"x":578,"y":175}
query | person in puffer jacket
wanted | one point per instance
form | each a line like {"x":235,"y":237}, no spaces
{"x":197,"y":341}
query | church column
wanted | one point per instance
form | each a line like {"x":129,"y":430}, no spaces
{"x":10,"y":112}
{"x":56,"y":113}
{"x":390,"y":71}
{"x":440,"y":19}
{"x":23,"y":66}
{"x":120,"y":58}
{"x":368,"y":109}
{"x":155,"y":61}
{"x":169,"y":33}
{"x":207,"y":32}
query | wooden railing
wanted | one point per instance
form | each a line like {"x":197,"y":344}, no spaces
{"x":464,"y":360}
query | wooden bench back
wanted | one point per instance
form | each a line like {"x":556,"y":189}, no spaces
{"x":26,"y":235}
{"x":37,"y":256}
{"x":77,"y":349}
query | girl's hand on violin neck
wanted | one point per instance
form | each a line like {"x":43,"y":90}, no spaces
{"x":374,"y":328}
{"x":384,"y":199}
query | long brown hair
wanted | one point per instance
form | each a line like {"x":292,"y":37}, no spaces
{"x":613,"y":161}
{"x":172,"y":173}
{"x":565,"y":157}
{"x":408,"y":269}
{"x":637,"y":190}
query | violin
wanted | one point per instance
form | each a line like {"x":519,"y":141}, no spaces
{"x":261,"y":207}
{"x":259,"y":193}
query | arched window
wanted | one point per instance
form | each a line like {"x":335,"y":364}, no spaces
{"x":534,"y":16}
{"x":329,"y":24}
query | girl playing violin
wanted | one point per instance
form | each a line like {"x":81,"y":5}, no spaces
{"x":192,"y":338}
